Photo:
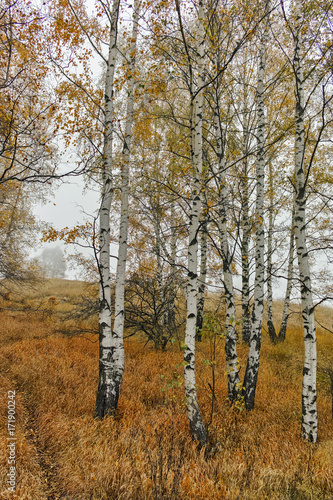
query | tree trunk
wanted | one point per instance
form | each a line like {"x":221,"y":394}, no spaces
{"x":252,"y":367}
{"x":162,"y":302}
{"x":230,"y":342}
{"x":108,"y":390}
{"x":285,"y":314}
{"x":246,"y":231}
{"x":309,"y":391}
{"x":172,"y":287}
{"x":270,"y":324}
{"x":118,"y":326}
{"x":197,"y":427}
{"x":203,"y":274}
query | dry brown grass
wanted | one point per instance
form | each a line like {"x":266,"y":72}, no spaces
{"x":146,"y":452}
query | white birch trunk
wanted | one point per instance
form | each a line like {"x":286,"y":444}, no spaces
{"x":270,"y":324}
{"x":252,"y":367}
{"x":197,"y":427}
{"x":107,"y":397}
{"x":173,"y":250}
{"x":118,"y":326}
{"x":309,"y":391}
{"x":162,"y":339}
{"x":230,"y":342}
{"x":285,"y":314}
{"x":246,"y":230}
{"x":203,"y":275}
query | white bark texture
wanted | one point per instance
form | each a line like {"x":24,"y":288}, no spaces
{"x":197,"y":427}
{"x":163,"y":317}
{"x":246,"y":232}
{"x":270,"y":324}
{"x":161,"y":339}
{"x":230,"y":342}
{"x":107,"y":395}
{"x":118,"y":326}
{"x":309,"y":391}
{"x":173,"y":252}
{"x":285,"y":313}
{"x":203,"y":274}
{"x":252,"y":367}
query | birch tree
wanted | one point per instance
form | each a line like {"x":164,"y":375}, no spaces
{"x":270,"y":324}
{"x":230,"y":344}
{"x":252,"y":367}
{"x":245,"y":175}
{"x":285,"y":313}
{"x":310,"y":125}
{"x":110,"y":359}
{"x":309,"y":391}
{"x":118,"y":326}
{"x":277,"y":336}
{"x":203,"y":272}
{"x":242,"y":98}
{"x":246,"y":234}
{"x":97,"y":146}
{"x":197,"y":427}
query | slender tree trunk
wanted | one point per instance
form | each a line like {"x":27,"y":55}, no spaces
{"x":197,"y":427}
{"x":159,"y":269}
{"x":246,"y":231}
{"x":230,"y":342}
{"x":285,"y":313}
{"x":252,"y":367}
{"x":118,"y":326}
{"x":203,"y":274}
{"x":162,"y":299}
{"x":270,"y":324}
{"x":309,"y":391}
{"x":173,"y":249}
{"x":107,"y":392}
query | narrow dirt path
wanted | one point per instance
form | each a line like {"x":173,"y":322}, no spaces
{"x":48,"y":466}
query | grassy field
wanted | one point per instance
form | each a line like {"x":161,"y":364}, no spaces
{"x":146,"y":452}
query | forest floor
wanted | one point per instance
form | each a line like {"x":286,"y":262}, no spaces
{"x":146,"y":452}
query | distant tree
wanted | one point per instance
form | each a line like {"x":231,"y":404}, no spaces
{"x":53,"y":263}
{"x":17,"y":232}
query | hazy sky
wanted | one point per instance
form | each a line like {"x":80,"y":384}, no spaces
{"x":71,"y":206}
{"x":68,"y":207}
